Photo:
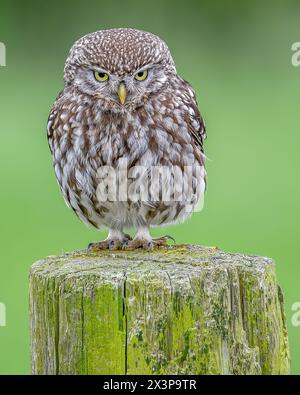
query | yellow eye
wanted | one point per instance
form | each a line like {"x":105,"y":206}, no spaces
{"x":141,"y":75}
{"x":101,"y":77}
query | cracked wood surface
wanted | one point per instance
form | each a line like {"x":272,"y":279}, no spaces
{"x":178,"y":310}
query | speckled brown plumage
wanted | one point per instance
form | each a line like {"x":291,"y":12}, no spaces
{"x":158,"y":125}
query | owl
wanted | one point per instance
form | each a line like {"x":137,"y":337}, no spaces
{"x":126,"y":138}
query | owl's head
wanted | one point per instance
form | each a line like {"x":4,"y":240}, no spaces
{"x":122,"y":67}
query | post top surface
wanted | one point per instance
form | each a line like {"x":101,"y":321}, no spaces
{"x":176,"y":261}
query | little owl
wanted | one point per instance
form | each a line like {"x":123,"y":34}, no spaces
{"x":123,"y":113}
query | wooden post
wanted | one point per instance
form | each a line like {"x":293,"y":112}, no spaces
{"x":178,"y":310}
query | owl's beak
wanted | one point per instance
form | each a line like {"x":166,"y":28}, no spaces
{"x":122,"y":93}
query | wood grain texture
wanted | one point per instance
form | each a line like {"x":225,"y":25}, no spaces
{"x":179,"y":310}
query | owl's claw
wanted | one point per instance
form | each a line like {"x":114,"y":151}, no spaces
{"x":102,"y":245}
{"x":109,"y":244}
{"x":126,"y":238}
{"x":146,"y":244}
{"x":129,"y":244}
{"x":135,"y":244}
{"x":163,"y":241}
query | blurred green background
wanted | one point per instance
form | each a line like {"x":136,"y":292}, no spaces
{"x":237,"y":55}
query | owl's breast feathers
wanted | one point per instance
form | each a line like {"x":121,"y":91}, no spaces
{"x":77,"y":123}
{"x":168,"y":130}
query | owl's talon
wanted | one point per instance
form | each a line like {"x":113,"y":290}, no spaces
{"x":170,"y":238}
{"x":146,"y":244}
{"x":109,"y":244}
{"x":102,"y":245}
{"x":163,"y":241}
{"x":135,"y":244}
{"x":127,"y":237}
{"x":150,"y":246}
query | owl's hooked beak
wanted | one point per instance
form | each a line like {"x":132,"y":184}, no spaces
{"x":122,"y":93}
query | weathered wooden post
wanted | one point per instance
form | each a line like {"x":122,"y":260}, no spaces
{"x":179,"y":310}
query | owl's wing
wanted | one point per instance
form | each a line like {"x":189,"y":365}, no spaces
{"x":193,"y":117}
{"x":52,"y":118}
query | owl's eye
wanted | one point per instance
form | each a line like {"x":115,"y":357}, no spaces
{"x":141,"y":75}
{"x":100,"y":76}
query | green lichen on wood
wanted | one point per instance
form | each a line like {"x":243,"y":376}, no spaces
{"x":179,"y":310}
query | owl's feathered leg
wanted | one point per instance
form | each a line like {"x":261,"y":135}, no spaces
{"x":144,"y":240}
{"x":116,"y":239}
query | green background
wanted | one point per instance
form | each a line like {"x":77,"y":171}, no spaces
{"x":237,"y":55}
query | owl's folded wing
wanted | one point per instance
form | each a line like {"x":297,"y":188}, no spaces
{"x":193,"y":117}
{"x":52,"y":119}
